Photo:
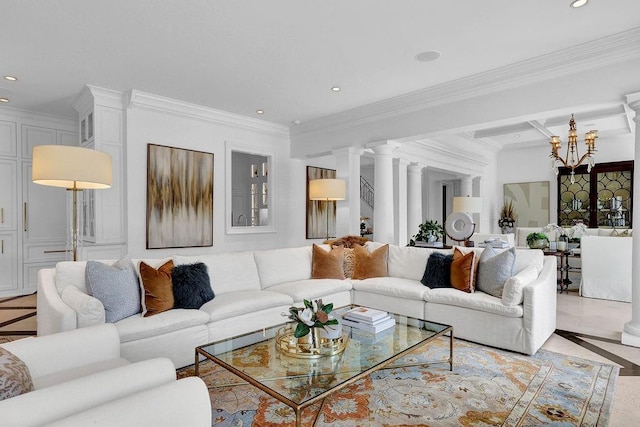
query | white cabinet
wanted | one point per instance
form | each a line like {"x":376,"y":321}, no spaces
{"x":33,"y":218}
{"x":9,"y":183}
{"x":8,"y":138}
{"x":8,"y":261}
{"x":101,"y":115}
{"x":35,"y":135}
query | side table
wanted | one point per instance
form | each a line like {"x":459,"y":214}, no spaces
{"x":563,"y":267}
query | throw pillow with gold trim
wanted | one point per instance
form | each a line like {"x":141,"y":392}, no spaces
{"x":462,"y":271}
{"x":370,"y":264}
{"x":327,"y":265}
{"x":15,"y":378}
{"x":158,"y":287}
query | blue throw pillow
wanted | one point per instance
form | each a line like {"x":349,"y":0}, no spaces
{"x":191,"y":285}
{"x":116,"y":287}
{"x":437,"y":274}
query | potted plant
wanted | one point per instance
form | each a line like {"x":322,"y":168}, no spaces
{"x":429,"y":231}
{"x":508,"y":217}
{"x":312,"y":317}
{"x":537,"y":240}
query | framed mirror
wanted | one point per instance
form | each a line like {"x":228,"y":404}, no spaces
{"x":249,"y":189}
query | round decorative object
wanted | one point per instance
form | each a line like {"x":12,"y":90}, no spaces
{"x":311,"y":346}
{"x":459,"y":226}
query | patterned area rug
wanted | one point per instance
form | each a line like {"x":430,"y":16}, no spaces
{"x":488,"y":387}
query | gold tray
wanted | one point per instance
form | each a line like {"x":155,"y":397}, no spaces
{"x":304,"y":348}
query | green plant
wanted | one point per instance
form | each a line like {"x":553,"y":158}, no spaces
{"x":425,"y":230}
{"x":531,"y":237}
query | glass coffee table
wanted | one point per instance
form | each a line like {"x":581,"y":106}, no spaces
{"x":301,"y":382}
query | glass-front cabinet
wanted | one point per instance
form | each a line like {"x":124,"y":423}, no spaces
{"x":601,"y":198}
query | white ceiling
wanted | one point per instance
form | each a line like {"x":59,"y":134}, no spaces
{"x":283,"y":56}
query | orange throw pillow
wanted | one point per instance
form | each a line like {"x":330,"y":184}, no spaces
{"x":158,"y":287}
{"x":327,"y":265}
{"x":370,"y":264}
{"x":462,"y":271}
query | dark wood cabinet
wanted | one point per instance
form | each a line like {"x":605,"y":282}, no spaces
{"x":600,"y":198}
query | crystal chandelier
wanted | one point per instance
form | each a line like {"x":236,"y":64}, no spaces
{"x":573,"y":159}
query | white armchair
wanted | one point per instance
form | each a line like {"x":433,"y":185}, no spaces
{"x":606,"y":267}
{"x":79,"y":370}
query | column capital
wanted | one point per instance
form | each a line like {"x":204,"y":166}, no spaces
{"x":401,"y":161}
{"x":415,"y":168}
{"x":383,"y":147}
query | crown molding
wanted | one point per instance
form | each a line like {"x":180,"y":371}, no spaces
{"x":39,"y":119}
{"x":608,"y":50}
{"x":157,"y":103}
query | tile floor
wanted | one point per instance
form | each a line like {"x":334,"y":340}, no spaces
{"x":587,"y":328}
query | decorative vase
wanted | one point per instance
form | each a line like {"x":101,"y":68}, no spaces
{"x":539,"y":244}
{"x":310,"y":343}
{"x":330,"y":331}
{"x":506,"y":225}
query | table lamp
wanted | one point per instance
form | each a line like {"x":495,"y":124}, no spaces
{"x":327,"y":190}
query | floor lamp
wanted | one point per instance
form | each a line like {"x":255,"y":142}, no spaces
{"x":327,"y":190}
{"x":75,"y":169}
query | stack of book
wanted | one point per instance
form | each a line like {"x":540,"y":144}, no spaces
{"x":495,"y":243}
{"x":368,"y":319}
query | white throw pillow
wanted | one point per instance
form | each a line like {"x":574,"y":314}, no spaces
{"x":89,"y":310}
{"x":513,"y":291}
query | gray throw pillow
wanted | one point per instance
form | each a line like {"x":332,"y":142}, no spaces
{"x":116,"y":287}
{"x":494,"y":269}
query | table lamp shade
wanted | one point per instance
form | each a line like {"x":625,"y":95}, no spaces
{"x":467,"y":204}
{"x":327,"y":189}
{"x":71,"y":167}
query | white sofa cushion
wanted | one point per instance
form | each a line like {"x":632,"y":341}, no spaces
{"x":513,"y":291}
{"x":277,"y":266}
{"x":391,"y":286}
{"x":69,"y":273}
{"x":79,"y":372}
{"x":138,"y":327}
{"x":312,"y":289}
{"x":236,"y":303}
{"x":407,"y":262}
{"x":527,"y":257}
{"x":476,"y":301}
{"x":228,"y":271}
{"x":89,"y":310}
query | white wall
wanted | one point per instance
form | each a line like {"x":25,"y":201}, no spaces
{"x":528,"y":164}
{"x":165,"y":128}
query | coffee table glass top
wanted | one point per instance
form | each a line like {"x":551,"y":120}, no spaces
{"x":300,"y":381}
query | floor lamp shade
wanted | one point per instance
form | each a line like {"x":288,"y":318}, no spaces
{"x":74,"y":168}
{"x":71,"y":167}
{"x":327,"y":189}
{"x":467,"y":204}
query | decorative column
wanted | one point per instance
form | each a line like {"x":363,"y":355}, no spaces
{"x":414,"y":198}
{"x":348,"y":211}
{"x":383,"y":225}
{"x":466,"y":186}
{"x":631,"y":331}
{"x":400,"y":201}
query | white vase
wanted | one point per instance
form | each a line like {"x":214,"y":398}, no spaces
{"x":330,"y":331}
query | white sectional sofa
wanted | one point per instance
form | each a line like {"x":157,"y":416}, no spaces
{"x":80,"y":378}
{"x":254,"y":289}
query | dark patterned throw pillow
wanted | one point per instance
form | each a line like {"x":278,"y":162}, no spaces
{"x":191,"y":285}
{"x":437,"y":274}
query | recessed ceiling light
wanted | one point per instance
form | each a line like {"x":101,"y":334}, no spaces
{"x":428,"y":56}
{"x":336,"y":89}
{"x":516,"y":136}
{"x":296,"y":122}
{"x":4,"y":99}
{"x":578,"y":3}
{"x":260,"y":111}
{"x":11,"y":78}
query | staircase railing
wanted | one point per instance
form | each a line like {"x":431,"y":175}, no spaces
{"x":366,"y":192}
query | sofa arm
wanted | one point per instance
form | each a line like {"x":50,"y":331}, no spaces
{"x":50,"y":354}
{"x":180,"y":403}
{"x":53,"y":403}
{"x":540,"y":306}
{"x":53,"y":314}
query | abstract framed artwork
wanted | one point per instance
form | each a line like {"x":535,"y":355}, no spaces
{"x":318,"y":210}
{"x":531,"y":201}
{"x":179,"y":197}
